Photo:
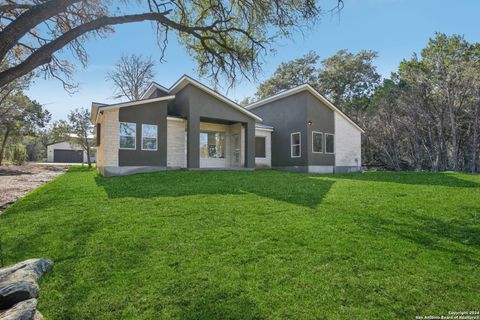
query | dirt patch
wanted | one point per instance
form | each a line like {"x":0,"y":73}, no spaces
{"x":16,"y":181}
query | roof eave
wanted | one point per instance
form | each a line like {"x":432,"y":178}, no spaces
{"x":298,"y":89}
{"x":128,"y":104}
{"x":153,"y":85}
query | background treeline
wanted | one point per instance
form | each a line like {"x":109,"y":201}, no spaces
{"x":22,"y":122}
{"x":426,"y":116}
{"x":26,"y":128}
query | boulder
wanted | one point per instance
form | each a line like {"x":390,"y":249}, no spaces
{"x":19,"y":282}
{"x":24,"y":310}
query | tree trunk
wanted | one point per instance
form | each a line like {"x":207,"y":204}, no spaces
{"x":86,"y":146}
{"x":88,"y":157}
{"x":4,"y":144}
{"x":453,"y":127}
{"x":475,"y":133}
{"x":441,"y":148}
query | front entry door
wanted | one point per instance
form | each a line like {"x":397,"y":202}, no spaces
{"x":235,"y":149}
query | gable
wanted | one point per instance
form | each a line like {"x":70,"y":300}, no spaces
{"x":303,"y":88}
{"x":157,"y":93}
{"x":187,"y":81}
{"x":207,"y":106}
{"x":154,"y":90}
{"x":319,"y":115}
{"x":290,"y":111}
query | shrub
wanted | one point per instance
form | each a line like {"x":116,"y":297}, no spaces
{"x":19,"y":154}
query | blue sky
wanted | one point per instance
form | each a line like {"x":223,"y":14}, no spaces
{"x":394,"y":28}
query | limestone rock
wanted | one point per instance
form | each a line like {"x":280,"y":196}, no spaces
{"x":24,"y":310}
{"x":19,"y":282}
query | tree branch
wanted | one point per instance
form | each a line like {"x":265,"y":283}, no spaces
{"x":37,"y":14}
{"x":44,"y":54}
{"x":14,"y":6}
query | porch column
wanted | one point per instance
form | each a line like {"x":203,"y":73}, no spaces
{"x":193,"y":141}
{"x":250,"y":145}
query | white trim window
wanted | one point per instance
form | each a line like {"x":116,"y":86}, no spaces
{"x":329,"y":143}
{"x":295,"y":145}
{"x":128,"y":135}
{"x":149,"y":137}
{"x":317,"y":142}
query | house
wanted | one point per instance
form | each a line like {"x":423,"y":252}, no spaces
{"x":186,"y":126}
{"x":311,"y":134}
{"x":66,"y":152}
{"x":192,"y":126}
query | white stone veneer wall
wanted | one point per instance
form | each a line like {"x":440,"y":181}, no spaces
{"x":107,"y":152}
{"x":267,"y":161}
{"x":176,"y":143}
{"x":348,"y":144}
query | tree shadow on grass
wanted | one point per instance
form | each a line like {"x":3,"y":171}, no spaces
{"x":458,"y":237}
{"x":298,"y":189}
{"x":217,"y":303}
{"x":413,"y":178}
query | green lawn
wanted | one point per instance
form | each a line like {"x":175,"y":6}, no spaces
{"x":251,"y":245}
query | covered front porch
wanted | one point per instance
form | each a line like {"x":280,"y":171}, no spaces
{"x":217,"y":144}
{"x":220,"y":133}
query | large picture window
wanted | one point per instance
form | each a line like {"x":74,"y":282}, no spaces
{"x":128,"y":135}
{"x":259,"y":147}
{"x":317,"y":142}
{"x":329,"y":143}
{"x":295,"y":145}
{"x":149,"y":137}
{"x":212,"y":145}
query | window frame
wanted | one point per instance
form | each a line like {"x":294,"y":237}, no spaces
{"x":333,"y":135}
{"x":156,"y":137}
{"x":264,"y":147}
{"x":119,"y":136}
{"x":313,"y":140}
{"x":299,"y":145}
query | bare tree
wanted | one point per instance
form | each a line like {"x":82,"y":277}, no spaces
{"x":225,"y":37}
{"x":433,"y":113}
{"x":132,"y":75}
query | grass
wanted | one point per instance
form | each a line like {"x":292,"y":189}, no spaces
{"x":251,"y":245}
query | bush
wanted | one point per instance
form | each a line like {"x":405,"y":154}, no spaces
{"x":19,"y":154}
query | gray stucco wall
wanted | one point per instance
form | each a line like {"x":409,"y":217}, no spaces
{"x":157,"y":93}
{"x":287,"y":115}
{"x":323,"y":120}
{"x":197,"y":105}
{"x":292,"y":114}
{"x":151,"y":113}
